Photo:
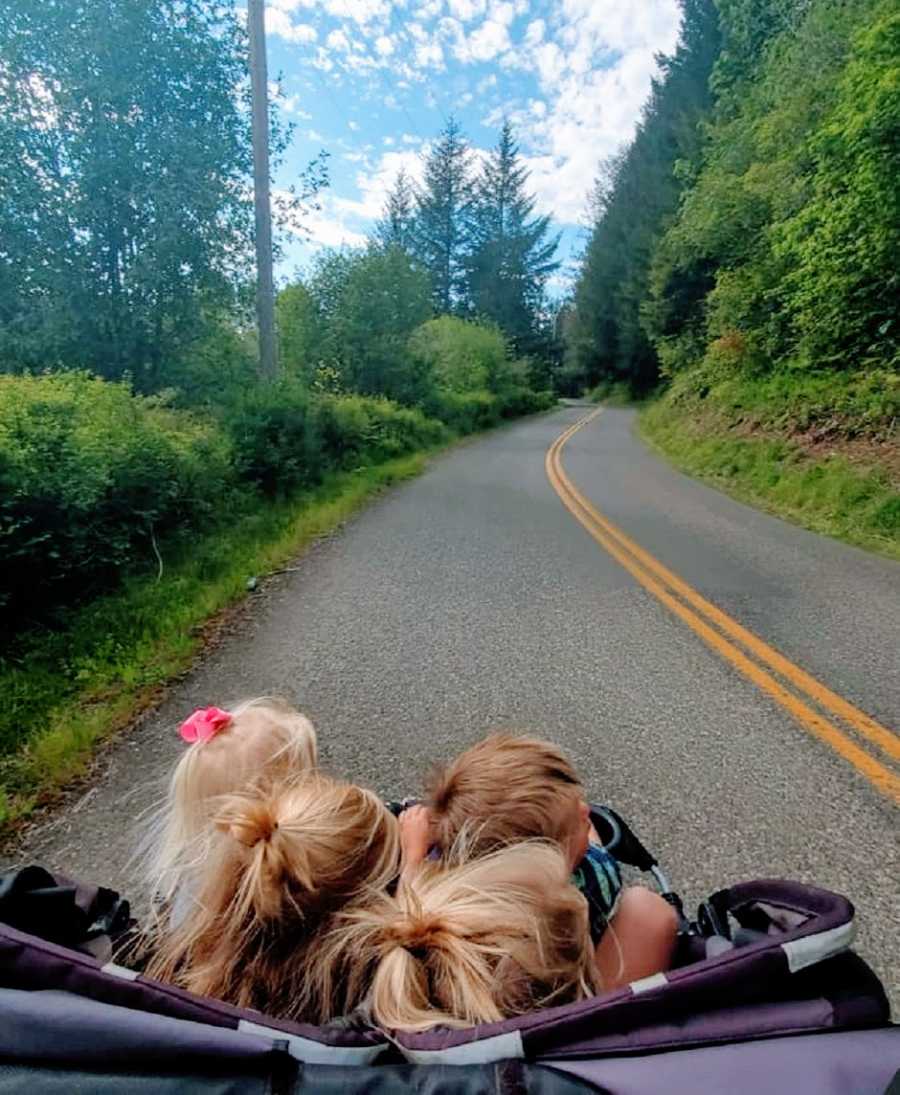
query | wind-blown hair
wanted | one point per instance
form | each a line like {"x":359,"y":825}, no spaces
{"x":477,"y":942}
{"x":503,"y":789}
{"x":281,"y":864}
{"x":267,"y":739}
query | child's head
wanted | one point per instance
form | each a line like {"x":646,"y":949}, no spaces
{"x":259,"y":740}
{"x":504,"y":789}
{"x":494,"y":937}
{"x":282,"y":860}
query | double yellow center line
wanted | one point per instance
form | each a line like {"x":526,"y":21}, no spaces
{"x":786,"y":683}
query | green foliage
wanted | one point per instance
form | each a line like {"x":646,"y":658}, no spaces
{"x":66,"y":689}
{"x":635,"y":195}
{"x":123,"y":209}
{"x":825,"y":493}
{"x":840,"y":250}
{"x":297,"y":318}
{"x":771,"y":291}
{"x":477,"y":380}
{"x":441,"y":227}
{"x":460,"y":356}
{"x":273,"y":437}
{"x":353,"y":429}
{"x":512,"y":250}
{"x":355,"y":314}
{"x":89,"y":475}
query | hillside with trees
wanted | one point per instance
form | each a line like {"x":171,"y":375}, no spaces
{"x":743,"y":256}
{"x":146,"y":465}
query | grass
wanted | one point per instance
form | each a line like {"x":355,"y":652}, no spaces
{"x":827,"y":494}
{"x":65,"y":691}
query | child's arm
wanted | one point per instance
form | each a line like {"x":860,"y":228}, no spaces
{"x":639,"y":940}
{"x":415,"y":838}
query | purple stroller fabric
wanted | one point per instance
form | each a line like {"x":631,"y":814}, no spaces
{"x":794,"y":1002}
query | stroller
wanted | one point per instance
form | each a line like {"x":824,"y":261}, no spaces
{"x":765,"y":996}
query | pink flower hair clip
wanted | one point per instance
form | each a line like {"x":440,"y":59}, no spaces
{"x":204,"y":724}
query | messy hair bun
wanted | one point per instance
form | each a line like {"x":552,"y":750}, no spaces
{"x":474,"y":943}
{"x":284,"y":860}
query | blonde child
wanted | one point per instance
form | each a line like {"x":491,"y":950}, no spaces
{"x":281,"y":862}
{"x":476,"y":942}
{"x":259,"y":741}
{"x":506,"y":789}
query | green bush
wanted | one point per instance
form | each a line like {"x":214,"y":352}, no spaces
{"x":465,"y":412}
{"x":90,"y":474}
{"x":354,"y":429}
{"x":274,"y":437}
{"x":460,"y":356}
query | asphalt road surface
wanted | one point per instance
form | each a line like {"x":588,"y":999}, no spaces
{"x":471,"y":599}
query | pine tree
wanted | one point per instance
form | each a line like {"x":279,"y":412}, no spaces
{"x":395,"y":227}
{"x":440,"y":238}
{"x":512,"y":250}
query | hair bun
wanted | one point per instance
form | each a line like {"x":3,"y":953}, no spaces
{"x":252,"y":825}
{"x":416,"y":934}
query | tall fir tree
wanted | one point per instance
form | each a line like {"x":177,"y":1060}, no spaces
{"x":638,"y":193}
{"x":512,"y":250}
{"x":395,"y":226}
{"x":440,"y":238}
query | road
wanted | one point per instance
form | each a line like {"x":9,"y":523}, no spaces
{"x":471,"y":599}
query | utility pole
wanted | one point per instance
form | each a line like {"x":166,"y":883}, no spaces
{"x":265,"y":285}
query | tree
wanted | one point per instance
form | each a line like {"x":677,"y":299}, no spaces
{"x":395,"y":227}
{"x":124,"y":210}
{"x":367,"y":303}
{"x":440,"y":237}
{"x":511,"y":249}
{"x":637,"y":195}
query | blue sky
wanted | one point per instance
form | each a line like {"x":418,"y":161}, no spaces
{"x":373,"y":81}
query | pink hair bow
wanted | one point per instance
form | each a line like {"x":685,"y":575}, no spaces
{"x":204,"y":724}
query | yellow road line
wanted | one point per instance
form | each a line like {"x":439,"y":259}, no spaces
{"x":652,"y":574}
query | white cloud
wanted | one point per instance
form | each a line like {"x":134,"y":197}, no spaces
{"x":338,"y":40}
{"x":535,"y":32}
{"x":384,"y":45}
{"x":466,"y":9}
{"x":429,"y":55}
{"x":373,"y":186}
{"x":353,"y":125}
{"x":279,"y":23}
{"x":324,"y":229}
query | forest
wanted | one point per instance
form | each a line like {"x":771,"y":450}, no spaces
{"x":148,"y":471}
{"x":130,"y":405}
{"x":742,"y":258}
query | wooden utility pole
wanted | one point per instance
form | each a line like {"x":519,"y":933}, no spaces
{"x":265,"y":285}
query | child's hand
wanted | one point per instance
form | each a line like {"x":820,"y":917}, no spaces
{"x":415,"y":836}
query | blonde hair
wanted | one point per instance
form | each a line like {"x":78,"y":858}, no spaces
{"x":503,"y":789}
{"x":478,"y":942}
{"x":283,"y":861}
{"x":266,"y":739}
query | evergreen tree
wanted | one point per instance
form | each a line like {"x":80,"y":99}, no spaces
{"x":440,"y":238}
{"x":637,"y":195}
{"x":395,"y":227}
{"x":512,"y":250}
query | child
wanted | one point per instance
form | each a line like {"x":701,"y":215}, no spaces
{"x":506,"y":789}
{"x":281,"y":862}
{"x":260,"y":740}
{"x":476,"y":942}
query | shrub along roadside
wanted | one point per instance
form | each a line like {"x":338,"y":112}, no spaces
{"x":830,"y":496}
{"x":66,"y":690}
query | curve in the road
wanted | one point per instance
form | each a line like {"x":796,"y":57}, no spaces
{"x":667,"y":587}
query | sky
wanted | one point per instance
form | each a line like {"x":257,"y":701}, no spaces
{"x":373,"y":81}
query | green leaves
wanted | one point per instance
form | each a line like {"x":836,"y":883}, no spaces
{"x":125,"y":151}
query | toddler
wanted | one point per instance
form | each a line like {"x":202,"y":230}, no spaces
{"x":281,"y":862}
{"x":507,"y":789}
{"x":259,"y":741}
